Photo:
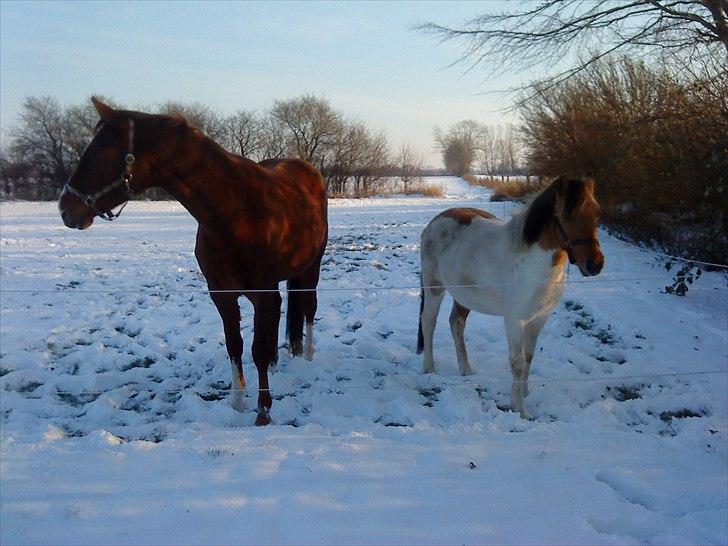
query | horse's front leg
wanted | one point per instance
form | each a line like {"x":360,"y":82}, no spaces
{"x":530,"y":337}
{"x":267,"y":306}
{"x":519,"y":367}
{"x":227,"y":306}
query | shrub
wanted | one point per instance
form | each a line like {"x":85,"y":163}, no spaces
{"x":657,"y":141}
{"x":505,"y":190}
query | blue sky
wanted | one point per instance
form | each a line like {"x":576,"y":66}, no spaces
{"x":364,"y":57}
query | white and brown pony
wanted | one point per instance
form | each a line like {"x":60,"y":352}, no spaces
{"x":513,"y":269}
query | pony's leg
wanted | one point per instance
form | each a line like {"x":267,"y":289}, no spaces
{"x":265,"y":347}
{"x":519,"y":368}
{"x":458,"y":316}
{"x":227,"y":306}
{"x":431,"y":300}
{"x":530,"y":337}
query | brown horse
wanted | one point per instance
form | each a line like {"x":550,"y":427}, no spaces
{"x":259,"y":223}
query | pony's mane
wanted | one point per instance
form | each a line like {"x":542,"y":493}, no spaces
{"x":529,"y":223}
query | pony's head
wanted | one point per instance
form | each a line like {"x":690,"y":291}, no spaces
{"x":576,"y":219}
{"x":117,"y":163}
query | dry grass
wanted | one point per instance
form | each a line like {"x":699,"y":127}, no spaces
{"x":427,"y":190}
{"x":504,"y":190}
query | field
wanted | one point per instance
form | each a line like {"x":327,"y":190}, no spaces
{"x":116,"y":426}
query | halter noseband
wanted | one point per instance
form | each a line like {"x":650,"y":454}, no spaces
{"x":569,"y":243}
{"x":124,"y":180}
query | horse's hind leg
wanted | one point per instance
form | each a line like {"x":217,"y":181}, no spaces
{"x":294,"y":315}
{"x":305,"y":307}
{"x":430,"y":306}
{"x":458,"y":316}
{"x":519,"y":367}
{"x":265,"y":346}
{"x":227,"y":306}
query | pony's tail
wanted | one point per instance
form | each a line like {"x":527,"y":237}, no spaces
{"x":420,"y":337}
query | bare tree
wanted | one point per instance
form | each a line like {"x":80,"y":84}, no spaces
{"x":488,"y":150}
{"x":358,"y":155}
{"x":272,"y":139}
{"x":199,"y":116}
{"x":242,"y":133}
{"x":312,"y":125}
{"x":410,"y":165}
{"x":459,"y":146}
{"x":548,"y":31}
{"x":79,"y":123}
{"x":371,"y":162}
{"x":39,"y":138}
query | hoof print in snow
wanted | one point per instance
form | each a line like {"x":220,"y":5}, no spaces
{"x":138,"y":363}
{"x":622,"y":393}
{"x":212,"y":396}
{"x":77,"y":400}
{"x":430,"y":393}
{"x":354,"y":326}
{"x":668,"y":416}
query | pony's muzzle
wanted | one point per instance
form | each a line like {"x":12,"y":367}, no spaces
{"x":594,"y":267}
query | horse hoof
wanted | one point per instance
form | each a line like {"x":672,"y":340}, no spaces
{"x":468,"y":371}
{"x":238,"y":402}
{"x":308,"y":351}
{"x":263,"y":419}
{"x":297,"y":348}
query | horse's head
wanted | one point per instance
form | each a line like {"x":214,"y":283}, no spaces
{"x":118,"y":163}
{"x":576,"y":217}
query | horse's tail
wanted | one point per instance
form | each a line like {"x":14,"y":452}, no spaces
{"x":294,"y":317}
{"x":420,"y":337}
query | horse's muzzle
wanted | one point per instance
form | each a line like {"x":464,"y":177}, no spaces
{"x":75,"y":215}
{"x":594,"y":267}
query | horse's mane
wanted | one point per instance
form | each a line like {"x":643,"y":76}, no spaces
{"x":529,"y":223}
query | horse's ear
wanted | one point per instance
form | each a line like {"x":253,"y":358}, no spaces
{"x":176,"y":120}
{"x":561,"y":184}
{"x":589,"y":180}
{"x":105,"y":111}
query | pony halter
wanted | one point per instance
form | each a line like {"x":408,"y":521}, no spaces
{"x":124,"y":180}
{"x":571,"y":243}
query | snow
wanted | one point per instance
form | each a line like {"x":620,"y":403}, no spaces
{"x":116,"y":426}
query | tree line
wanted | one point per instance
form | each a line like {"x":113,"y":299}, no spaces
{"x":491,"y":150}
{"x":46,"y":142}
{"x":644,"y":106}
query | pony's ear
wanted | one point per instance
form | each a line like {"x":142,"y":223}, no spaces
{"x":105,"y":111}
{"x":561,"y":184}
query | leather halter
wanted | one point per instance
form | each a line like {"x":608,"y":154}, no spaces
{"x":569,"y":243}
{"x":124,"y":180}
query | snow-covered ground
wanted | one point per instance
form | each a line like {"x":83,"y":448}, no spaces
{"x":116,"y":427}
